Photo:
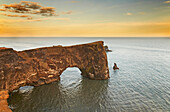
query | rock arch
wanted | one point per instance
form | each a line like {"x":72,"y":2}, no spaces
{"x":40,"y":66}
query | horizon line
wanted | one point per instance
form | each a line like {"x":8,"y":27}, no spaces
{"x":83,"y":37}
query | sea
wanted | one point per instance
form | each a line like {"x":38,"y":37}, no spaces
{"x":142,"y":83}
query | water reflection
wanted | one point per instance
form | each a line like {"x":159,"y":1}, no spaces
{"x":69,"y":94}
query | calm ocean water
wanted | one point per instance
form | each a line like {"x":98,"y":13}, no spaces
{"x":141,"y":85}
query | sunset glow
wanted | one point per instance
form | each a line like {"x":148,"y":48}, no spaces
{"x":85,"y":18}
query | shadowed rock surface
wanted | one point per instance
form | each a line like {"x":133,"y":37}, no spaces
{"x":107,"y":49}
{"x":45,"y":65}
{"x":115,"y":67}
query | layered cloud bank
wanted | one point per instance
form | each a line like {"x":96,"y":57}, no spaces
{"x":27,"y":7}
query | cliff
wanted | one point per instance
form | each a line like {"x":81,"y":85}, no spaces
{"x":40,"y":66}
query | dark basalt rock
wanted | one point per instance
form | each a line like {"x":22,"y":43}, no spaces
{"x":107,"y":49}
{"x":115,"y":67}
{"x":40,"y":66}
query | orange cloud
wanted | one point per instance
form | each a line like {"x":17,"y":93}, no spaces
{"x":32,"y":5}
{"x":28,"y":7}
{"x":129,"y":14}
{"x":131,"y":29}
{"x":34,"y":20}
{"x":10,"y":15}
{"x":2,"y":9}
{"x":167,"y":2}
{"x":47,"y":11}
{"x":74,"y":1}
{"x":68,"y":12}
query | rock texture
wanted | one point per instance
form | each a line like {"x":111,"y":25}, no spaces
{"x":107,"y":49}
{"x":3,"y":101}
{"x":45,"y":65}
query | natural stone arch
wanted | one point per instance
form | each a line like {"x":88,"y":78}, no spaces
{"x":45,"y":65}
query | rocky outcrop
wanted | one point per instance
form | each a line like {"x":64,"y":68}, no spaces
{"x":115,"y":67}
{"x":40,"y":66}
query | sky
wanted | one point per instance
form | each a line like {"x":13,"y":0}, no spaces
{"x":85,"y":18}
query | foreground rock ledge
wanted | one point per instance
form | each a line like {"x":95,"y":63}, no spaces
{"x":40,"y":66}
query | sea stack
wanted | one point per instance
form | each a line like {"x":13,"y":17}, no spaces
{"x":115,"y":67}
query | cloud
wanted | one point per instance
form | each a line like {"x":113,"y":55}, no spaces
{"x":10,"y":15}
{"x":72,"y":1}
{"x":3,"y":10}
{"x":167,"y":2}
{"x":34,"y":20}
{"x":129,"y":14}
{"x":62,"y":19}
{"x":1,"y":24}
{"x":27,"y":7}
{"x":47,"y":11}
{"x":32,"y":5}
{"x":142,"y":13}
{"x":68,"y":12}
{"x":127,"y":24}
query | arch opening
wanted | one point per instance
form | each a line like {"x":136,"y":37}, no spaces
{"x":70,"y":77}
{"x":72,"y":72}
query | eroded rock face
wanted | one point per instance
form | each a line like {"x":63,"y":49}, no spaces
{"x":45,"y":65}
{"x":3,"y":101}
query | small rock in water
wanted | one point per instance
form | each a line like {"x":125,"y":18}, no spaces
{"x":115,"y":67}
{"x":26,"y":89}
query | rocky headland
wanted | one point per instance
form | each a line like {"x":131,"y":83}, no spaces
{"x":40,"y":66}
